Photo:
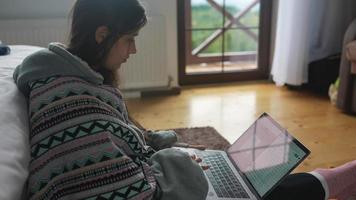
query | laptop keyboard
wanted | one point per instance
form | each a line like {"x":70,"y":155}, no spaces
{"x":224,"y":181}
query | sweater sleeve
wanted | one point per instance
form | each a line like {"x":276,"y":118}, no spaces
{"x":178,"y":176}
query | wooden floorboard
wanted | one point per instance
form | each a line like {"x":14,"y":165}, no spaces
{"x":231,"y":108}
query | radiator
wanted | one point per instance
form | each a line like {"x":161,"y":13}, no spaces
{"x":38,"y":32}
{"x":147,"y":69}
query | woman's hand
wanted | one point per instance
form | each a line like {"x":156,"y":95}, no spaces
{"x":199,"y":160}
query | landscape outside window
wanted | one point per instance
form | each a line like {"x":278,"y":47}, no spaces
{"x":223,"y":35}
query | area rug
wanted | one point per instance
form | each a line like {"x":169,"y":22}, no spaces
{"x":206,"y":136}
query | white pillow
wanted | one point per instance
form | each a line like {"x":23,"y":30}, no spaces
{"x":14,"y":128}
{"x":14,"y":142}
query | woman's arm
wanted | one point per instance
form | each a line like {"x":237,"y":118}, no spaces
{"x":81,"y":148}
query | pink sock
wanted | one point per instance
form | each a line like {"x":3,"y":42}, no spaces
{"x":345,"y":195}
{"x":341,"y":181}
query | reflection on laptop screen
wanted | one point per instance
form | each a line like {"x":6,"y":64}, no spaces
{"x":265,"y":153}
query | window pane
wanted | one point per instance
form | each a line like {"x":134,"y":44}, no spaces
{"x":250,"y":19}
{"x":211,"y":50}
{"x":215,"y":47}
{"x":209,"y":59}
{"x":241,"y":40}
{"x":200,"y":36}
{"x":206,"y":16}
{"x":240,"y":49}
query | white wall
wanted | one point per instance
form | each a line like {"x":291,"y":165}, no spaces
{"x":20,"y":9}
{"x":39,"y":9}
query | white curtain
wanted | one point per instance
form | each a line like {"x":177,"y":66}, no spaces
{"x":307,"y":30}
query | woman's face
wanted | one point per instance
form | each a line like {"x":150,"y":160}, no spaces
{"x":121,"y":51}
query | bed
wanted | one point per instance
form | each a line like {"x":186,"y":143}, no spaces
{"x":14,"y":146}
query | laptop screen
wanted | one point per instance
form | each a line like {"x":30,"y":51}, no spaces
{"x":266,"y":153}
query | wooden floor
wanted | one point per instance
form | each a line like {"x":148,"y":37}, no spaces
{"x":231,"y":108}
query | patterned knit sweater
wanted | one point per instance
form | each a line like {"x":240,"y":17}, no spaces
{"x":83,"y":145}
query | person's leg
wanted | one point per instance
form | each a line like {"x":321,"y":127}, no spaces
{"x":337,"y":183}
{"x":340,"y":182}
{"x":298,"y":186}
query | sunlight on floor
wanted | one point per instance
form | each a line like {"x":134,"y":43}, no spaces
{"x":221,"y":112}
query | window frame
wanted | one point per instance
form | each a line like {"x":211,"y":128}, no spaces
{"x":184,"y":47}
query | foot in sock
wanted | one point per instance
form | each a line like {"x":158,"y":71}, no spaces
{"x":341,"y":181}
{"x":345,"y":194}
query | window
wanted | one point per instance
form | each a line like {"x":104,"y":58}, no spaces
{"x":220,"y":40}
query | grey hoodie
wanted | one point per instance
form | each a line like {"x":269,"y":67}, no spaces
{"x":55,"y":60}
{"x":178,"y":176}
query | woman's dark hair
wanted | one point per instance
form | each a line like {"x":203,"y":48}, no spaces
{"x":119,"y":16}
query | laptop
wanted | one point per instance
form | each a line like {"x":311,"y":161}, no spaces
{"x":254,"y":164}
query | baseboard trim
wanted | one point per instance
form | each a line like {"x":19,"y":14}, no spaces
{"x":152,"y":92}
{"x":161,"y":92}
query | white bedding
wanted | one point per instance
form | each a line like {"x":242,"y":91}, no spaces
{"x":18,"y":53}
{"x":14,"y":130}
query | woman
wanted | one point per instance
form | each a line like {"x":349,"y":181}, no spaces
{"x":83,"y":143}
